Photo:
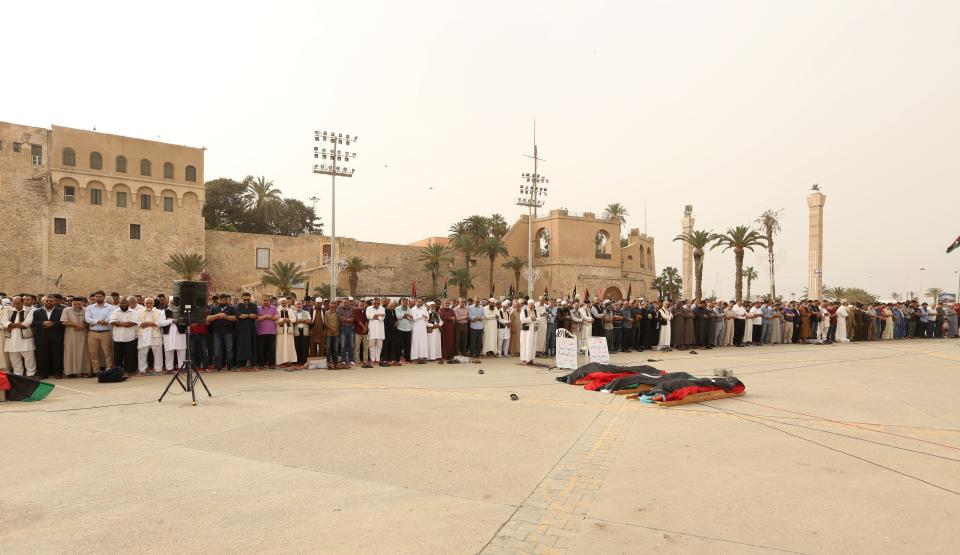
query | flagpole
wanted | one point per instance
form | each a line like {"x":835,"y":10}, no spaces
{"x":57,"y":386}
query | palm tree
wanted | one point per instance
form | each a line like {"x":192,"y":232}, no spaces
{"x":934,"y":292}
{"x":186,"y":265}
{"x":492,"y":247}
{"x":283,"y":276}
{"x":739,"y":239}
{"x":671,"y":281}
{"x":895,"y":296}
{"x":261,"y":197}
{"x":834,"y":293}
{"x":770,"y":225}
{"x":462,"y":278}
{"x":616,"y":211}
{"x":462,"y":239}
{"x":497,"y":226}
{"x":355,"y":264}
{"x":749,"y":274}
{"x":515,"y":265}
{"x":433,"y":256}
{"x":699,"y":240}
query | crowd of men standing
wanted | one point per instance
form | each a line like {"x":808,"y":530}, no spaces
{"x":81,"y":336}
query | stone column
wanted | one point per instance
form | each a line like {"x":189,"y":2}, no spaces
{"x":686,"y":223}
{"x":815,"y":202}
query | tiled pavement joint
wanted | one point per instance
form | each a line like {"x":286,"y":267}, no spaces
{"x":550,"y":518}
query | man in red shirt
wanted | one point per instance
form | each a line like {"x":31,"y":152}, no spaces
{"x":361,"y":343}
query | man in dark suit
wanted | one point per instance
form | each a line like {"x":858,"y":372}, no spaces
{"x":48,"y":338}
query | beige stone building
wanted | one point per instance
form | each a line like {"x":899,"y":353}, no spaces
{"x":102,"y":211}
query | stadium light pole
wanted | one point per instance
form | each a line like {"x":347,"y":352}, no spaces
{"x":330,"y":161}
{"x":530,"y":193}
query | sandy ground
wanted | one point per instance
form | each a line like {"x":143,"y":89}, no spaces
{"x":835,"y":449}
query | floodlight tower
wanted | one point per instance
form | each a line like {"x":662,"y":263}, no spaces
{"x":330,"y":160}
{"x":531,"y":190}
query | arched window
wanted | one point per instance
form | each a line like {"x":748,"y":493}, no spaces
{"x":96,"y":161}
{"x":69,"y":157}
{"x":191,"y":173}
{"x":601,"y":241}
{"x":543,"y":243}
{"x":167,"y":170}
{"x":145,"y":167}
{"x":643,"y":259}
{"x":121,"y":164}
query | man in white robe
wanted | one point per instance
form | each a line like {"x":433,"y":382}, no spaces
{"x":376,"y":335}
{"x":528,"y":333}
{"x":149,"y":336}
{"x":419,"y":349}
{"x":666,"y":315}
{"x":541,"y":306}
{"x":18,"y":341}
{"x":490,"y":328}
{"x":434,"y":324}
{"x":174,"y":340}
{"x":842,"y":314}
{"x":503,"y":330}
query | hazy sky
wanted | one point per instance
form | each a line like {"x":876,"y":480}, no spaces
{"x":734,"y":107}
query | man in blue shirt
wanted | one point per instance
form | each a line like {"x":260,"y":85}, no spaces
{"x":99,"y":339}
{"x":475,"y":315}
{"x":766,"y":314}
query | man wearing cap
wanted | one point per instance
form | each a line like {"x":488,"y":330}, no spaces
{"x":528,"y":333}
{"x":503,"y":329}
{"x":18,"y":334}
{"x":419,"y":348}
{"x":376,"y":332}
{"x":490,"y":327}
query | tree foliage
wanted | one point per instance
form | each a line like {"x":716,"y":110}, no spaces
{"x":668,"y":283}
{"x":252,"y":205}
{"x":698,"y":240}
{"x":186,"y":265}
{"x":284,"y":276}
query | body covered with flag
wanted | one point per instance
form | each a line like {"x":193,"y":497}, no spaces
{"x":20,"y":388}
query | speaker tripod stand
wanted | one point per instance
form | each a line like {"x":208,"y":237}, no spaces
{"x":191,"y":377}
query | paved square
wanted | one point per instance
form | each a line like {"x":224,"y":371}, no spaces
{"x":850,"y":448}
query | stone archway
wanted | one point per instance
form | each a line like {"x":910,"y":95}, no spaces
{"x":613,"y":293}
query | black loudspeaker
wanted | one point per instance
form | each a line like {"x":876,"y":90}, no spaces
{"x":189,"y":302}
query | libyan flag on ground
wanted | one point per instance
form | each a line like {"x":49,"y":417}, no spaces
{"x":19,"y":388}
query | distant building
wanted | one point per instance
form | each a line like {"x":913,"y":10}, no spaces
{"x":92,"y":210}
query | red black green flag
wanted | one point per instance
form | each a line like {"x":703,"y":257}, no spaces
{"x":20,"y":388}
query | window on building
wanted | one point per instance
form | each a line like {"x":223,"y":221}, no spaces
{"x":191,"y":173}
{"x":60,"y":226}
{"x":168,"y":204}
{"x":601,"y":242}
{"x":36,"y":154}
{"x":96,"y":161}
{"x":167,"y":170}
{"x":543,"y":243}
{"x":121,"y":199}
{"x":1,"y":146}
{"x":121,"y":164}
{"x":69,"y":157}
{"x":145,"y":201}
{"x":17,"y":146}
{"x":96,"y":196}
{"x":263,"y":258}
{"x":69,"y":193}
{"x":145,"y":167}
{"x":135,"y":231}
